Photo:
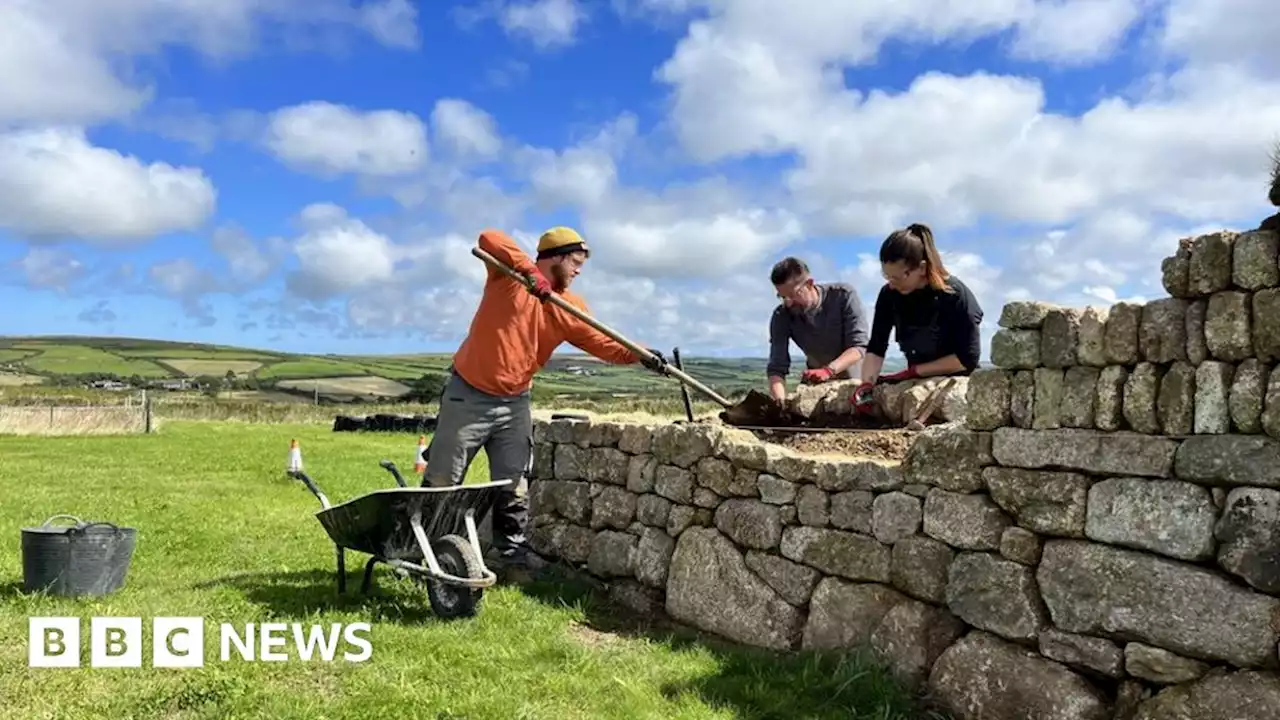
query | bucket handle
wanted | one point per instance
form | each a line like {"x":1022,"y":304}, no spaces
{"x":81,"y":525}
{"x":85,"y":526}
{"x":55,"y":517}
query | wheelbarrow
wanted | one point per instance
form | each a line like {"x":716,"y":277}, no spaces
{"x":426,"y":533}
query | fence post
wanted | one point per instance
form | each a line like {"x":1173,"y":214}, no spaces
{"x":146,"y":411}
{"x":51,"y":416}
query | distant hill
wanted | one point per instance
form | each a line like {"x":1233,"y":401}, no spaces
{"x":113,"y":362}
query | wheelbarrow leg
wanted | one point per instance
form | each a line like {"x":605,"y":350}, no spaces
{"x":342,"y":570}
{"x":368,"y":575}
{"x":429,"y":555}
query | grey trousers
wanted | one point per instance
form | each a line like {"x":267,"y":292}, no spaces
{"x":469,"y":420}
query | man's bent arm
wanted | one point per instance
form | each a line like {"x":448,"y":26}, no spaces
{"x":779,"y":355}
{"x":855,"y":334}
{"x":777,"y":388}
{"x":779,"y":346}
{"x":500,"y":245}
{"x":846,"y":360}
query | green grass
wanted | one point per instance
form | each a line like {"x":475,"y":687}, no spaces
{"x":223,"y":534}
{"x":77,"y":359}
{"x":194,"y":354}
{"x":310,"y":368}
{"x":555,"y":384}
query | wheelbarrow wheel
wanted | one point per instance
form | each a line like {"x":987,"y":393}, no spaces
{"x":456,"y":557}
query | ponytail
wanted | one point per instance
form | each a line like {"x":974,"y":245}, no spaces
{"x":914,"y":246}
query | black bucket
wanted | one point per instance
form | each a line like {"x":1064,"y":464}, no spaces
{"x":82,"y":559}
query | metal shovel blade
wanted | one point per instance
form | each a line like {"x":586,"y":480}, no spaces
{"x":759,"y":410}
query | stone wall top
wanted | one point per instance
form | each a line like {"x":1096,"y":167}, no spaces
{"x":1200,"y":361}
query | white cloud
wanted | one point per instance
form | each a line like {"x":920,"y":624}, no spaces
{"x":60,"y":59}
{"x":183,"y":278}
{"x":466,"y":130}
{"x":1121,"y":181}
{"x":725,"y":312}
{"x":1096,"y":197}
{"x":339,"y":254}
{"x":248,"y":263}
{"x":54,"y":184}
{"x":326,"y":138}
{"x":1232,"y":32}
{"x":546,"y":23}
{"x":1075,"y":32}
{"x":44,"y":77}
{"x":393,"y":22}
{"x":701,"y":231}
{"x":50,"y":267}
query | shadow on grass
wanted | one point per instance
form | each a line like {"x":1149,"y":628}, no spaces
{"x":11,"y":589}
{"x":390,"y":599}
{"x":751,"y":683}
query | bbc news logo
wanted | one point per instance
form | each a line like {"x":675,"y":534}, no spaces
{"x":178,"y":642}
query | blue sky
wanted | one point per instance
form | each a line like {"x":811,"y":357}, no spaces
{"x":694,"y":143}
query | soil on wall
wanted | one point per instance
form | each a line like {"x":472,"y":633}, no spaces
{"x":890,"y":445}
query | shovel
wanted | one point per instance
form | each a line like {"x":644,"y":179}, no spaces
{"x":643,"y":353}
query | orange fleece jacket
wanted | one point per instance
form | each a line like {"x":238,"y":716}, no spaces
{"x":513,"y":333}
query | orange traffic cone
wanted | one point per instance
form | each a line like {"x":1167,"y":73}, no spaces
{"x":420,"y":464}
{"x":295,"y":456}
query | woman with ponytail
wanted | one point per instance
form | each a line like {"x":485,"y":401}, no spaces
{"x":933,"y":315}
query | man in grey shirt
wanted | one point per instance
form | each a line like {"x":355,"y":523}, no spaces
{"x":827,"y":322}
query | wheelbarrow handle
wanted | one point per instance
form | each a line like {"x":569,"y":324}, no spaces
{"x":643,"y":353}
{"x":395,"y":472}
{"x":311,"y":485}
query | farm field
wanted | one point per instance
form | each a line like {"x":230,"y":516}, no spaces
{"x":78,"y":359}
{"x":366,"y":386}
{"x":17,"y":379}
{"x":193,"y":367}
{"x":223,"y":534}
{"x":59,"y":360}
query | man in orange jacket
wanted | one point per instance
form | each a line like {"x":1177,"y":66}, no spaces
{"x":485,"y":403}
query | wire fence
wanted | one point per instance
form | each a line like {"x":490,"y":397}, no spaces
{"x":132,"y":416}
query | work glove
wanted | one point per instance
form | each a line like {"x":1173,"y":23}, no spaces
{"x":657,"y":363}
{"x":909,"y":374}
{"x":538,"y":284}
{"x":862,"y":398}
{"x":816,"y":376}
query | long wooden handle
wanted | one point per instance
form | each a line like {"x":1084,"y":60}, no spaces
{"x":644,"y":353}
{"x":932,"y":402}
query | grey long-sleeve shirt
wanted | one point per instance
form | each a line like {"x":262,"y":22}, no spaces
{"x":835,"y":325}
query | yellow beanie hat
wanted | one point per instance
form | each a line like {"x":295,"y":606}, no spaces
{"x":560,"y":241}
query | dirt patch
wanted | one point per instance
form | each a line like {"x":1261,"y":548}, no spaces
{"x":891,"y":445}
{"x":591,"y":637}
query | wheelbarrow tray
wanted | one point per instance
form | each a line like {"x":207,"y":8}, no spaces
{"x":379,"y":523}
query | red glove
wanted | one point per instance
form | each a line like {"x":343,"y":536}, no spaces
{"x":909,"y":374}
{"x":538,"y":284}
{"x":861,"y":398}
{"x":816,"y":375}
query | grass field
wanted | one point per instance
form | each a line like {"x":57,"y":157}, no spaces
{"x":365,"y":386}
{"x":194,"y":367}
{"x":75,"y":359}
{"x":223,"y":534}
{"x":54,"y":356}
{"x":19,"y":379}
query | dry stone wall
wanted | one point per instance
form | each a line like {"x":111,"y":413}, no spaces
{"x":1099,"y":541}
{"x":1009,"y":574}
